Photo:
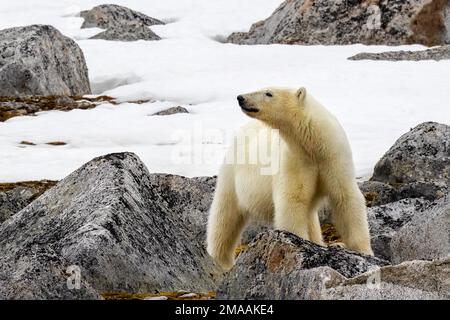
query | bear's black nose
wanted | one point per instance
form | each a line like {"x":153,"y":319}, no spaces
{"x":240,"y":99}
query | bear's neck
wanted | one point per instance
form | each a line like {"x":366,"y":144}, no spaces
{"x":301,"y":135}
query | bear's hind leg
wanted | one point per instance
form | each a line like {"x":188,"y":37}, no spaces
{"x":350,"y":218}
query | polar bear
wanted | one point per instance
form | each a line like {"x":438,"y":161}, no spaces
{"x":314,"y":166}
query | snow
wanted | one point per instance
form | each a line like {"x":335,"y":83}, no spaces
{"x":375,"y":101}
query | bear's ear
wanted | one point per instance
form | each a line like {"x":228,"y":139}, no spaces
{"x":301,"y":93}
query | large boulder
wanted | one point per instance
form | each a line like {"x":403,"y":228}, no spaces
{"x":38,"y":60}
{"x":391,"y":22}
{"x":426,"y":236}
{"x":108,"y":225}
{"x":280,"y":265}
{"x":110,"y":15}
{"x":421,"y":155}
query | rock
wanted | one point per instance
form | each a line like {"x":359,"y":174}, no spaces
{"x":188,"y":198}
{"x":110,"y":15}
{"x":437,"y":54}
{"x":107,"y":226}
{"x":188,"y":295}
{"x":430,"y":190}
{"x":157,"y":298}
{"x":426,"y":236}
{"x":377,"y":193}
{"x":253,"y":230}
{"x":421,"y":155}
{"x":171,"y":111}
{"x":129,"y":31}
{"x":280,"y":265}
{"x":412,"y":280}
{"x":121,"y":23}
{"x":345,"y":22}
{"x":38,"y":60}
{"x":14,"y":200}
{"x":386,"y":220}
{"x":16,"y":196}
{"x":384,"y":291}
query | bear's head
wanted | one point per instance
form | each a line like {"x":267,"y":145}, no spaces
{"x":274,"y":106}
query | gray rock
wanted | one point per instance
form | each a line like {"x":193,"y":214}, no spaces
{"x":253,"y":230}
{"x":110,"y":15}
{"x":39,"y":60}
{"x":386,"y":220}
{"x":426,"y":236}
{"x":391,"y":22}
{"x":430,"y":190}
{"x":280,"y":265}
{"x":128,"y":31}
{"x":171,"y":111}
{"x":188,"y":198}
{"x":437,"y":54}
{"x":14,"y":200}
{"x":412,"y":280}
{"x":377,"y":193}
{"x":16,"y":196}
{"x":421,"y":155}
{"x":384,"y":291}
{"x":107,"y":220}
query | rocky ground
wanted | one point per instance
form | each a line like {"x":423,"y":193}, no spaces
{"x":136,"y":235}
{"x":27,"y":106}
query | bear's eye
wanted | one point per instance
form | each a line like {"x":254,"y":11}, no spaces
{"x":269,"y":94}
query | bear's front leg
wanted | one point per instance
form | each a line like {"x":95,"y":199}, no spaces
{"x":225,"y":223}
{"x":294,"y":197}
{"x":291,"y":213}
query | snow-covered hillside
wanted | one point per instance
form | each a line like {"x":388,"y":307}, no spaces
{"x":375,"y":101}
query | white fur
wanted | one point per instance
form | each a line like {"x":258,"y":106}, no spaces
{"x":315,"y":165}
